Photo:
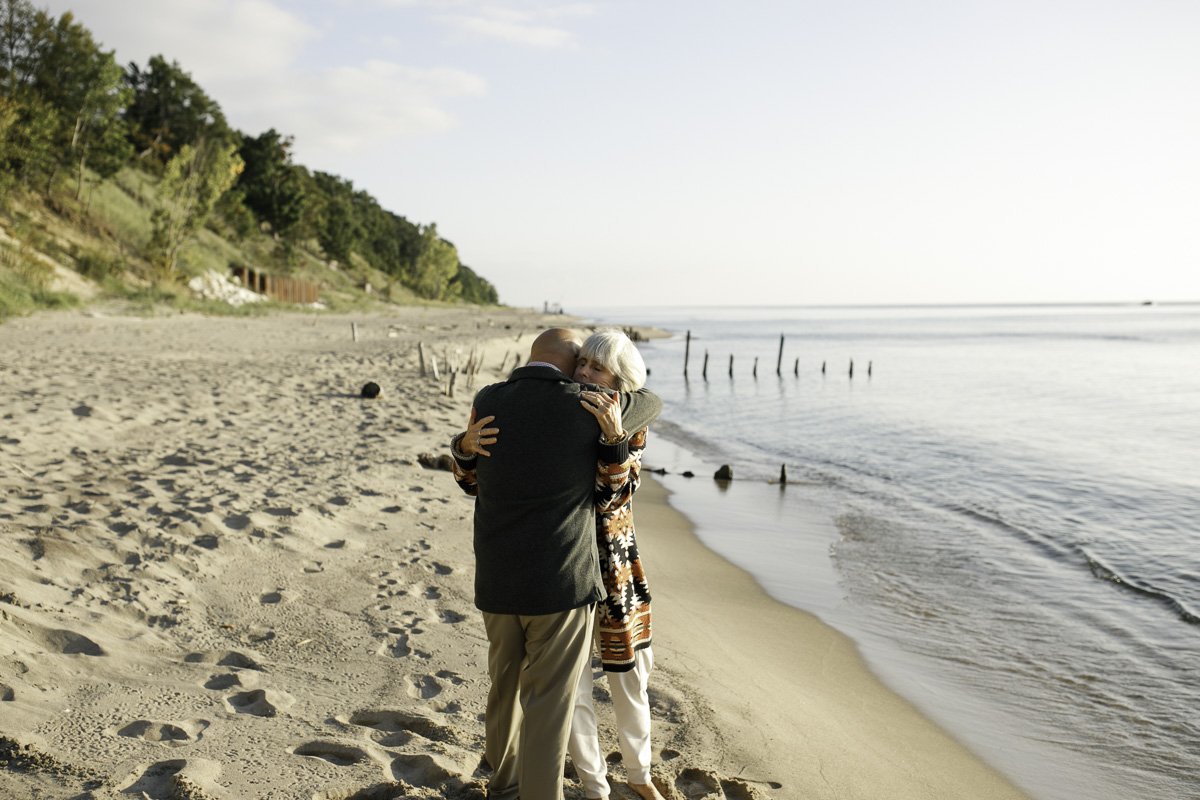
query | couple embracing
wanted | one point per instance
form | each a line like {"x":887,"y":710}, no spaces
{"x":552,"y":456}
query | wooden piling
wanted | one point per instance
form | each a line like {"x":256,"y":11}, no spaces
{"x":687,"y":349}
{"x":852,"y":368}
{"x":704,"y":370}
{"x":421,"y":358}
{"x":779,"y":360}
{"x":756,"y":367}
{"x":731,"y":365}
{"x":782,"y":474}
{"x":796,"y":369}
{"x":354,"y":330}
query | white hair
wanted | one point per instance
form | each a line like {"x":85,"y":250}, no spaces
{"x":619,"y":355}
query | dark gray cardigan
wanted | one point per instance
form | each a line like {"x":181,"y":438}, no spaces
{"x":535,"y":521}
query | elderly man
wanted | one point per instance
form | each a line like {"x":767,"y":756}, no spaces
{"x":537,"y":575}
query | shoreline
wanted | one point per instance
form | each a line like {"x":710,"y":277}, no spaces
{"x":833,"y":728}
{"x":228,"y":576}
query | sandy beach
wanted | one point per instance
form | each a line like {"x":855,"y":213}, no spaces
{"x":224,"y":574}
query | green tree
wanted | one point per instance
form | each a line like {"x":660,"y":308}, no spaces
{"x":167,"y":110}
{"x":336,"y":223}
{"x":192,"y":183}
{"x":20,"y":24}
{"x":435,"y":266}
{"x":27,"y":151}
{"x":273,"y":186}
{"x":86,"y":86}
{"x":473,"y":288}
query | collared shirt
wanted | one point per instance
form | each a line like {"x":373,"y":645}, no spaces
{"x":543,"y":364}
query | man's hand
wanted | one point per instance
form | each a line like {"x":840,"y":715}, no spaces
{"x":606,"y":409}
{"x":478,"y":435}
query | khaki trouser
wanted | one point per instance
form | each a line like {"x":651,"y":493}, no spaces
{"x":534,"y":664}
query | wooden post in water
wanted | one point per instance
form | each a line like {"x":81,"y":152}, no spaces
{"x":731,"y":365}
{"x":704,"y":369}
{"x":852,"y":368}
{"x":870,"y":364}
{"x":782,"y":474}
{"x":822,"y":367}
{"x":779,"y":361}
{"x":755,"y":372}
{"x":687,"y":349}
{"x":796,"y":369}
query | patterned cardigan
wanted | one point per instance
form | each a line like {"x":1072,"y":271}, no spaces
{"x":623,"y":622}
{"x":623,"y":618}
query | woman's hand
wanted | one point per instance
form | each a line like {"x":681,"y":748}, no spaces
{"x":607,"y":411}
{"x":478,"y":435}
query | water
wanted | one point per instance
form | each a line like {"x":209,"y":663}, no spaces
{"x":1015,"y":497}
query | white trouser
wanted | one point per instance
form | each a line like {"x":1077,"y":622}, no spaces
{"x":631,"y":706}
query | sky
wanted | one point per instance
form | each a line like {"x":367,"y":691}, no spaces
{"x":757,"y":152}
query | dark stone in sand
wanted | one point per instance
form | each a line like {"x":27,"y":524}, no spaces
{"x":370,"y":390}
{"x":430,"y":461}
{"x":725,"y":473}
{"x":687,"y":473}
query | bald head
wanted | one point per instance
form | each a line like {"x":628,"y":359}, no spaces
{"x":557,"y":346}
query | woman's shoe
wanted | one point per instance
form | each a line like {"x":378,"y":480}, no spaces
{"x":646,"y":791}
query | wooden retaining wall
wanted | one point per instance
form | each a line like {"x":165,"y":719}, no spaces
{"x":278,"y":287}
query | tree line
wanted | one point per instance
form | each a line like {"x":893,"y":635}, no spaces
{"x":70,"y":112}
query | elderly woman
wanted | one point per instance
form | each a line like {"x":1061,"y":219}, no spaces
{"x":608,"y":359}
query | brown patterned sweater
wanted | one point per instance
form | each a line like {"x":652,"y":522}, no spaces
{"x":623,"y":620}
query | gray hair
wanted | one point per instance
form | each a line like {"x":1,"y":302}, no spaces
{"x":619,"y":355}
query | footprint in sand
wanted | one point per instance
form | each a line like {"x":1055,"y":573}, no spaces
{"x":271,"y":598}
{"x":71,"y":643}
{"x":167,"y":733}
{"x":423,"y":687}
{"x":666,"y":706}
{"x":396,"y":728}
{"x":258,"y":633}
{"x":451,"y":617}
{"x":226,"y":658}
{"x":695,"y":783}
{"x":174,"y":778}
{"x":397,"y":647}
{"x":237,"y":522}
{"x":341,"y":755}
{"x":738,"y":790}
{"x":428,"y":770}
{"x":207,"y":541}
{"x":221,"y":682}
{"x":260,"y":702}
